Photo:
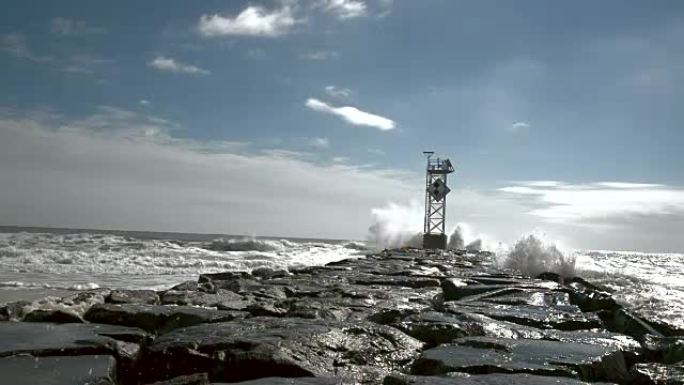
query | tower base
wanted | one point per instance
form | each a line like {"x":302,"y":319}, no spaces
{"x":434,"y":241}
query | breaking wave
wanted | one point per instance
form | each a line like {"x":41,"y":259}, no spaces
{"x":533,"y":256}
{"x":85,"y":261}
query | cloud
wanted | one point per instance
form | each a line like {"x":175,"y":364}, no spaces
{"x":121,"y":169}
{"x":338,"y":92}
{"x":163,"y":63}
{"x":16,"y":45}
{"x":352,"y":115}
{"x":345,"y":9}
{"x":68,"y":27}
{"x":519,"y":126}
{"x":252,"y":21}
{"x":320,"y":55}
{"x":144,"y":102}
{"x":318,"y":142}
{"x":601,"y":202}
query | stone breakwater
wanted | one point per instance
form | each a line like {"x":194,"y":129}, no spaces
{"x":398,"y":317}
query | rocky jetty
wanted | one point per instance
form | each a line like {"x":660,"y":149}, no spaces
{"x":396,"y":318}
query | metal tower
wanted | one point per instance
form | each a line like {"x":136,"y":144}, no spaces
{"x":436,"y":191}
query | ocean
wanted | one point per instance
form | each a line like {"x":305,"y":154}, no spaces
{"x":38,"y":262}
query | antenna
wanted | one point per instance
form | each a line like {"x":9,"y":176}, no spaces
{"x":436,"y":190}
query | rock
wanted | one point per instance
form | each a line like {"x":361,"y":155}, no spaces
{"x":589,"y":299}
{"x":222,"y":299}
{"x":280,"y":347}
{"x":435,"y":328}
{"x":481,"y":355}
{"x":415,"y":282}
{"x":551,"y":276}
{"x":623,"y":321}
{"x":666,"y":350}
{"x":190,"y":379}
{"x":186,"y":286}
{"x":268,"y":273}
{"x":13,"y":311}
{"x":225,"y":276}
{"x":59,"y":370}
{"x":157,"y":318}
{"x":631,"y":349}
{"x":46,"y":339}
{"x":146,"y":297}
{"x":653,"y":373}
{"x":545,"y":317}
{"x":295,"y":381}
{"x":52,"y":315}
{"x":485,"y":379}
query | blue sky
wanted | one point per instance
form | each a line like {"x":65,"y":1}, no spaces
{"x":583,"y":96}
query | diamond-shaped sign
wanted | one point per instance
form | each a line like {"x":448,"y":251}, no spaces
{"x":438,"y":190}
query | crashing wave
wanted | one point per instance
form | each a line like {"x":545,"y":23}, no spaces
{"x":531,"y":256}
{"x":247,"y":244}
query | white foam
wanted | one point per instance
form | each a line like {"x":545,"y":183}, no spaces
{"x":86,"y":261}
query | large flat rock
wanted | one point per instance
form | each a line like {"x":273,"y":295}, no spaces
{"x":64,"y":370}
{"x":47,"y":339}
{"x":484,"y":379}
{"x":294,"y":381}
{"x":653,"y":373}
{"x":157,"y":318}
{"x":564,"y":317}
{"x":482,"y":355}
{"x":280,"y":347}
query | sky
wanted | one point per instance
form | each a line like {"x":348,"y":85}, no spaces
{"x":309,"y":117}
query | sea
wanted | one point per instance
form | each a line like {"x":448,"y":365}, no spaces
{"x":37,"y":262}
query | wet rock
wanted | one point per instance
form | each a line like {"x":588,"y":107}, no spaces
{"x":60,"y":370}
{"x":12,"y":311}
{"x":590,"y":297}
{"x":545,"y":317}
{"x":268,"y":273}
{"x":652,"y":373}
{"x":47,"y":339}
{"x":631,"y":349}
{"x":623,"y":321}
{"x":481,"y":355}
{"x":435,"y":328}
{"x":280,"y":347}
{"x":186,"y":286}
{"x":222,"y":299}
{"x":157,"y":318}
{"x":52,"y":315}
{"x":190,"y":379}
{"x":295,"y":381}
{"x":145,"y":297}
{"x":55,"y":309}
{"x":225,"y":276}
{"x":484,"y":379}
{"x":664,"y":349}
{"x":415,"y":282}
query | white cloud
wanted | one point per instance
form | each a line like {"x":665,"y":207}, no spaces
{"x":338,"y":92}
{"x":163,"y":63}
{"x":320,"y":55}
{"x":144,"y":102}
{"x":68,"y":27}
{"x":352,"y":115}
{"x":252,"y":21}
{"x":121,"y":169}
{"x":605,"y":202}
{"x":16,"y":45}
{"x":345,"y":9}
{"x":319,"y":142}
{"x":518,"y":126}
